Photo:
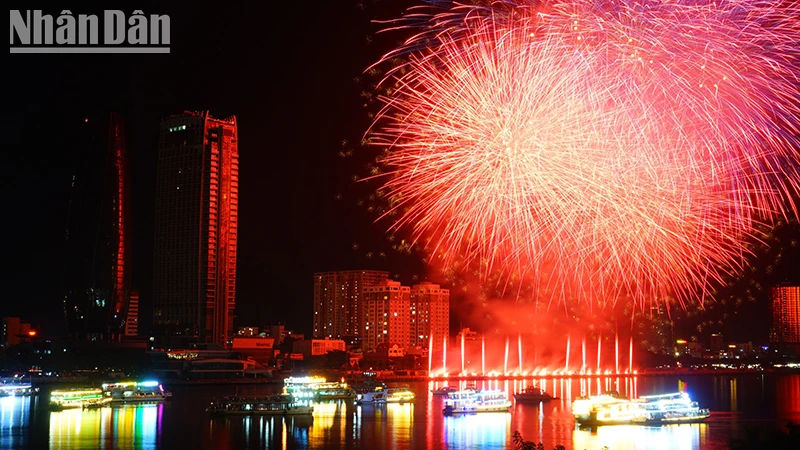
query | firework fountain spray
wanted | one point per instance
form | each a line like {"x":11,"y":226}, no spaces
{"x":566,"y":365}
{"x":444,"y":355}
{"x":505,"y":360}
{"x":583,"y":354}
{"x":599,"y":343}
{"x":430,"y":354}
{"x":630,"y":356}
{"x":616,"y":353}
{"x":462,"y":352}
{"x":519,"y":351}
{"x":606,"y":149}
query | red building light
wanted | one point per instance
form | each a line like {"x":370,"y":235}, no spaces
{"x":32,"y":333}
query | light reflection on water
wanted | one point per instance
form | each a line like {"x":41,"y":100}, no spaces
{"x":182,"y":423}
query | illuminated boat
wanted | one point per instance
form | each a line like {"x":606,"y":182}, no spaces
{"x":78,"y":398}
{"x":677,"y":407}
{"x":385,"y":394}
{"x":269,"y":405}
{"x":584,"y":409}
{"x":17,"y":390}
{"x":318,"y":388}
{"x":533,"y":394}
{"x":647,"y":410}
{"x":470,"y":402}
{"x":444,"y":390}
{"x":136,"y":392}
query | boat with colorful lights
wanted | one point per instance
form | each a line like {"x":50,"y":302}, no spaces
{"x":533,"y":394}
{"x":262,"y":405}
{"x":136,"y":392}
{"x":470,"y":401}
{"x":647,"y":410}
{"x":78,"y":398}
{"x":318,"y":388}
{"x":386,"y":394}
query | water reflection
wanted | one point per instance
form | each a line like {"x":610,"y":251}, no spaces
{"x":14,"y":421}
{"x":735,"y":401}
{"x":484,"y":431}
{"x":125,"y":427}
{"x":623,"y":437}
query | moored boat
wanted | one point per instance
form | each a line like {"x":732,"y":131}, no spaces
{"x":646,"y":410}
{"x":386,"y":394}
{"x":533,"y":394}
{"x":136,"y":392}
{"x":444,"y":390}
{"x":470,"y":402}
{"x":269,"y":405}
{"x":17,"y":390}
{"x":78,"y":398}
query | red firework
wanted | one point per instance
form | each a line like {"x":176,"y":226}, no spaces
{"x":623,"y":149}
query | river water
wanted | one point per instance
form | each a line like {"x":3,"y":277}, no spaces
{"x":736,"y":402}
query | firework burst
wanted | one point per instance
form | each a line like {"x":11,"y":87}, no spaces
{"x":602,"y":149}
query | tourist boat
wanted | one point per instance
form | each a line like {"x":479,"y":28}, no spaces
{"x":269,"y":405}
{"x":17,"y":390}
{"x":78,"y":398}
{"x":647,"y":410}
{"x":385,"y":394}
{"x":136,"y":392}
{"x":470,"y":402}
{"x":444,"y":390}
{"x":677,"y":407}
{"x":318,"y":388}
{"x":533,"y":394}
{"x":333,"y":391}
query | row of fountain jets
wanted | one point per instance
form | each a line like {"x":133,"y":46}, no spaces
{"x":537,"y":372}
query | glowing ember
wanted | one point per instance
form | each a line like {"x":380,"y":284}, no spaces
{"x":605,"y":149}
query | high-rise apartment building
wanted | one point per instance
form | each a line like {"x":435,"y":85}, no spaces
{"x":785,"y":315}
{"x":196,"y":223}
{"x":430,"y":315}
{"x":387,"y":315}
{"x":338,"y":302}
{"x":97,"y":269}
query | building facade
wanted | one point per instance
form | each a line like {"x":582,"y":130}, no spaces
{"x":98,"y":236}
{"x":196,"y":225}
{"x":430,"y":315}
{"x":387,"y":315}
{"x":14,"y":331}
{"x":338,"y":310}
{"x":132,"y":319}
{"x":785,"y":315}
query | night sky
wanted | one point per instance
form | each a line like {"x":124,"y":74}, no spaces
{"x":287,"y":71}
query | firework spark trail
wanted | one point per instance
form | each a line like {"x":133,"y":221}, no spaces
{"x":616,"y":149}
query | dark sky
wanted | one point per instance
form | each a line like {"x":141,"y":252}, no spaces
{"x":285,"y":69}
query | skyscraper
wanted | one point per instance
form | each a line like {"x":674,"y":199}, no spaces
{"x":98,"y":234}
{"x":430,"y":314}
{"x":338,"y":301}
{"x":196,"y":223}
{"x":785,"y":315}
{"x":387,"y":315}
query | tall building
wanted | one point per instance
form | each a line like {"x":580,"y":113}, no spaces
{"x":14,"y":331}
{"x":430,"y":315}
{"x":132,"y":318}
{"x":338,"y":301}
{"x":97,"y":268}
{"x":785,"y":315}
{"x":196,"y":223}
{"x":387,"y":315}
